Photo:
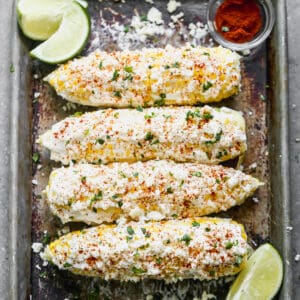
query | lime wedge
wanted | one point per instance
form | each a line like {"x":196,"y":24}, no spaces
{"x":262,"y":277}
{"x":39,"y":19}
{"x":69,"y":39}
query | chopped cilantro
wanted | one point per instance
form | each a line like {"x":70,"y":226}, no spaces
{"x":128,"y":238}
{"x":96,"y":197}
{"x":11,"y":68}
{"x":175,"y":65}
{"x":67,"y":265}
{"x":115,"y":75}
{"x":94,"y":209}
{"x":149,"y":136}
{"x":43,"y":275}
{"x":207,"y":86}
{"x":207,"y":229}
{"x":216,"y":139}
{"x":156,"y":141}
{"x":130,"y":230}
{"x":120,"y":204}
{"x":162,"y":95}
{"x":36,"y":157}
{"x":128,"y":69}
{"x":175,"y":216}
{"x":143,"y":18}
{"x":186,"y":238}
{"x":207,"y":116}
{"x":86,"y":132}
{"x":197,"y":174}
{"x":206,"y":53}
{"x":100,"y":64}
{"x":46,"y":238}
{"x":135,"y":174}
{"x":117,"y":94}
{"x":228,"y":245}
{"x":150,"y":116}
{"x":158,"y":261}
{"x":126,"y":28}
{"x":137,"y":271}
{"x":218,"y":180}
{"x":167,"y":116}
{"x":122,"y":174}
{"x":195,"y":224}
{"x":139,"y":108}
{"x":100,"y":141}
{"x":83,"y":179}
{"x":225,"y":29}
{"x":159,"y":102}
{"x":167,"y":67}
{"x":77,"y":114}
{"x":143,"y":230}
{"x":115,"y":196}
{"x":169,"y":190}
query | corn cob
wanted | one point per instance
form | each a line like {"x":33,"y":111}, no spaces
{"x":200,"y":248}
{"x":154,"y":190}
{"x":170,"y":76}
{"x":205,"y":135}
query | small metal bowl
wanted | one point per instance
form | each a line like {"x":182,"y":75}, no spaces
{"x":268,"y":15}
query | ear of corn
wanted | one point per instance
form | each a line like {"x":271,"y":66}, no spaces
{"x":200,"y":248}
{"x":153,"y":190}
{"x":170,"y":76}
{"x":184,"y":134}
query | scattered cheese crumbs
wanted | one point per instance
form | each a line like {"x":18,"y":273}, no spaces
{"x":176,"y":18}
{"x":149,"y":297}
{"x":255,"y":200}
{"x":173,"y":5}
{"x":34,"y":182}
{"x":36,"y":95}
{"x":155,"y":16}
{"x":297,"y":140}
{"x":45,"y":263}
{"x":38,"y":267}
{"x":149,"y":1}
{"x":289,"y":228}
{"x":297,"y":257}
{"x":35,"y":76}
{"x":294,"y":106}
{"x":253,"y":166}
{"x":198,"y":32}
{"x":37,"y":247}
{"x":246,"y":52}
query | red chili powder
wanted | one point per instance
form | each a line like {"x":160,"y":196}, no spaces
{"x":238,"y":20}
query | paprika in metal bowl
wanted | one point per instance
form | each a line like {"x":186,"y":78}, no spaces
{"x":240,"y":24}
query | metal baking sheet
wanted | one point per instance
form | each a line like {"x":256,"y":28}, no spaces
{"x":31,"y":107}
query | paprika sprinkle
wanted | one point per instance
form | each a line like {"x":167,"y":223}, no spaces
{"x":239,"y":20}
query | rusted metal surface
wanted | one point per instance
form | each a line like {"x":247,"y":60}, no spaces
{"x":47,"y":282}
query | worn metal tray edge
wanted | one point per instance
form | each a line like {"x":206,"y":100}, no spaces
{"x":15,"y":143}
{"x":279,"y":146}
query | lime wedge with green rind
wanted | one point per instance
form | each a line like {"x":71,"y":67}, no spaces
{"x":262,"y":277}
{"x":69,"y":39}
{"x":40,"y":19}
